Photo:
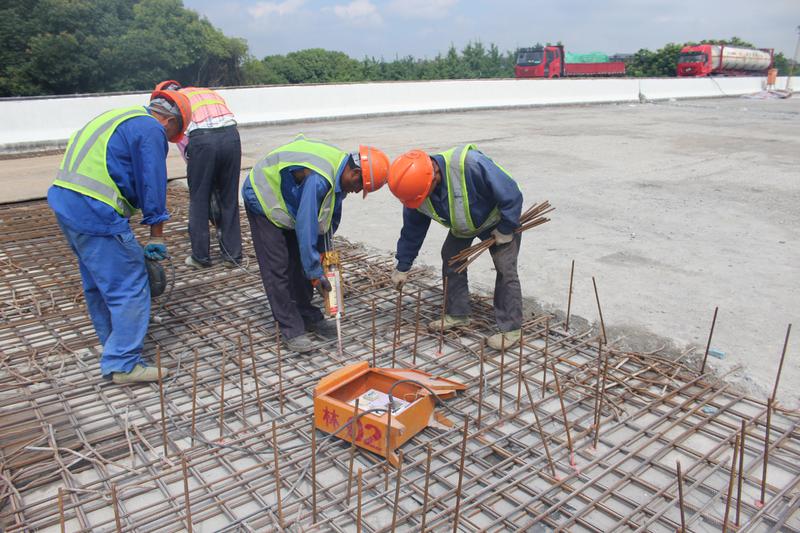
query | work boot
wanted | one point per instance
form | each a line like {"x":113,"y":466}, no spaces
{"x":450,"y":322}
{"x":194,"y":263}
{"x":300,"y":344}
{"x":139,"y":374}
{"x":227,"y":263}
{"x":511,"y":339}
{"x":324,"y":328}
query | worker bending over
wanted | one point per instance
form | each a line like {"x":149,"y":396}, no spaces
{"x":213,"y":154}
{"x":466,"y":191}
{"x":114,"y":166}
{"x":293,"y":200}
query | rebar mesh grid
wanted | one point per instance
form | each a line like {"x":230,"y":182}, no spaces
{"x":81,"y":453}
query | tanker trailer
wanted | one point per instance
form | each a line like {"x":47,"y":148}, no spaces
{"x":723,"y":60}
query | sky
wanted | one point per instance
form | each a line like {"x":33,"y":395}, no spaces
{"x":424,"y":28}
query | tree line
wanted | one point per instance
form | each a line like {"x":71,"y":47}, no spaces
{"x":84,"y":46}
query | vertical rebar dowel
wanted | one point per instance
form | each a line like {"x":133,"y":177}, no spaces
{"x":353,"y":437}
{"x":563,"y":414}
{"x":416,"y":328}
{"x":546,"y":349}
{"x":460,"y":475}
{"x":185,"y":468}
{"x":425,"y":489}
{"x":502,"y":373}
{"x":680,"y":497}
{"x":480,"y":386}
{"x":708,"y":344}
{"x":444,"y":311}
{"x":280,"y":364}
{"x":600,"y":312}
{"x":597,"y":385}
{"x":519,"y":367}
{"x":222,"y":392}
{"x":741,"y":471}
{"x":388,"y":438}
{"x":255,"y":372}
{"x":731,"y":481}
{"x":314,"y":469}
{"x":241,"y":379}
{"x":396,"y":334}
{"x":780,"y":365}
{"x":115,"y":504}
{"x":373,"y":333}
{"x":61,"y":519}
{"x":194,"y":394}
{"x":569,"y":296}
{"x":766,"y":453}
{"x":277,"y":473}
{"x":599,"y":415}
{"x":358,"y":494}
{"x":539,"y":427}
{"x":161,"y":401}
{"x":397,"y":489}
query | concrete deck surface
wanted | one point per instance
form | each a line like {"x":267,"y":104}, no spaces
{"x":674,"y":207}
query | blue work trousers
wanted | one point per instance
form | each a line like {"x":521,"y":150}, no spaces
{"x":117,"y":294}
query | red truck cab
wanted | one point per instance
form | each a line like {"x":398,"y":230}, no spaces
{"x":543,"y":62}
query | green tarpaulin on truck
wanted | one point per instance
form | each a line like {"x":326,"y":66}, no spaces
{"x":591,"y":57}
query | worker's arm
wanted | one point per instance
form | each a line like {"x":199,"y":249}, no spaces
{"x":149,"y":161}
{"x":315,"y":188}
{"x":415,"y":228}
{"x":501,"y":187}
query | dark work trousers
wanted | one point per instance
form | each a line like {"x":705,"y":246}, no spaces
{"x":288,"y":291}
{"x":507,"y":291}
{"x":214,"y":160}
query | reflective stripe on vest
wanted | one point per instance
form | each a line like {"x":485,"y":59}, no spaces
{"x":461,"y":224}
{"x":265,"y":178}
{"x":206,"y":104}
{"x":87,"y":172}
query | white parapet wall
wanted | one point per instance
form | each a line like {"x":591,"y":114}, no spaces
{"x":31,"y":124}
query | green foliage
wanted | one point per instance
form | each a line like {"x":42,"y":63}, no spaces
{"x":74,"y":46}
{"x":316,"y":65}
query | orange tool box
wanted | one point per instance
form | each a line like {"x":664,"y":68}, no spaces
{"x":413,"y":411}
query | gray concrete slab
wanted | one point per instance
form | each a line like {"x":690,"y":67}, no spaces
{"x":674,"y":207}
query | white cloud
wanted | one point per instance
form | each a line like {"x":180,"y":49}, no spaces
{"x":265,"y":9}
{"x":358,"y":11}
{"x":434,"y":9}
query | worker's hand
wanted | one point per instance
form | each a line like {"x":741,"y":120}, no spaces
{"x":502,"y":238}
{"x":322,"y":285}
{"x":156,"y":250}
{"x":399,"y":279}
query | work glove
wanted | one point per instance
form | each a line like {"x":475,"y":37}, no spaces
{"x":502,"y":238}
{"x":155,"y":250}
{"x":399,"y":279}
{"x":322,"y":285}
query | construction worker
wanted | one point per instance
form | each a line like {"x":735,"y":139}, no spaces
{"x":213,"y":154}
{"x":114,"y":166}
{"x":467,"y":192}
{"x":293,"y":200}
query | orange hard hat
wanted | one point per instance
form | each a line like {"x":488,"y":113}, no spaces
{"x":182,"y":109}
{"x":411,"y":178}
{"x":374,"y":168}
{"x":168,"y":85}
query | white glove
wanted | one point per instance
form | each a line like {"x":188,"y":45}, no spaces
{"x":502,"y":238}
{"x":399,"y":279}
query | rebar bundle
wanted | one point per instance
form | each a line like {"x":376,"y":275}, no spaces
{"x":532,"y":217}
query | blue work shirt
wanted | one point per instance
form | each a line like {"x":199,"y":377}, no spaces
{"x":488,"y":186}
{"x":137,"y":162}
{"x":303,"y":201}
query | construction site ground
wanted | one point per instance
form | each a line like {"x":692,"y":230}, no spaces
{"x":674,"y":208}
